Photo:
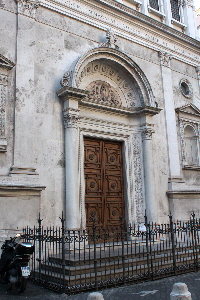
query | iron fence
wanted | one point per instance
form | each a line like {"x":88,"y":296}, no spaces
{"x":72,"y":261}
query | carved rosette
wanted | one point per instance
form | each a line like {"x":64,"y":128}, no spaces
{"x":71,"y":118}
{"x":65,"y":81}
{"x":3,"y":92}
{"x":138,"y":186}
{"x":147,"y":133}
{"x":28,"y":7}
{"x":164,"y":59}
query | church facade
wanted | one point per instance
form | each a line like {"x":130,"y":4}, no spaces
{"x":100,"y":112}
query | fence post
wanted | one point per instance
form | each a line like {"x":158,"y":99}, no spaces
{"x":95,"y":251}
{"x":147,"y":244}
{"x":173,"y":244}
{"x":122,"y":240}
{"x":63,"y":248}
{"x":194,"y":241}
{"x":40,"y":245}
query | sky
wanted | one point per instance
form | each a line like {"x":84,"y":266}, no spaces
{"x":197,"y":4}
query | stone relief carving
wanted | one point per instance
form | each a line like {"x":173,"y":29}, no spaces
{"x":71,"y":118}
{"x":138,"y":185}
{"x":165,"y":59}
{"x":65,"y":81}
{"x":3,"y":91}
{"x":103,"y":93}
{"x":131,"y":92}
{"x":111,"y":40}
{"x":28,"y":7}
{"x":188,"y":3}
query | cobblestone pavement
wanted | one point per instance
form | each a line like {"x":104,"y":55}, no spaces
{"x":153,"y":290}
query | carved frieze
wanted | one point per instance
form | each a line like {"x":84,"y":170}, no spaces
{"x":71,"y":118}
{"x":3,"y":92}
{"x":164,"y":59}
{"x":28,"y":7}
{"x":102,"y":92}
{"x":138,"y":185}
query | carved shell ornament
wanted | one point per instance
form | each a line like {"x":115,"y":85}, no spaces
{"x":103,"y":93}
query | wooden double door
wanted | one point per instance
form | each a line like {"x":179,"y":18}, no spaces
{"x":104,"y":195}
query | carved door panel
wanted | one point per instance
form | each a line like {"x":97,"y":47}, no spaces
{"x":103,"y":182}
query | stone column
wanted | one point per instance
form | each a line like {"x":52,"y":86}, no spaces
{"x":151,"y":205}
{"x":24,"y":146}
{"x":170,"y":117}
{"x":145,"y":4}
{"x":71,"y":97}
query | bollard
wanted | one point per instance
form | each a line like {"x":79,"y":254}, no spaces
{"x":180,"y":291}
{"x":95,"y":296}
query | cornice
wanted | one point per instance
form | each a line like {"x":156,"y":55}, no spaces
{"x":129,"y":24}
{"x":144,"y":19}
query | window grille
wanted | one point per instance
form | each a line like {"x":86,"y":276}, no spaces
{"x":154,"y":4}
{"x":175,"y":9}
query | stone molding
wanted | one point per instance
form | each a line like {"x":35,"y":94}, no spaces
{"x":90,"y":13}
{"x":28,"y":7}
{"x":165,"y":59}
{"x":71,"y":118}
{"x":6,"y":63}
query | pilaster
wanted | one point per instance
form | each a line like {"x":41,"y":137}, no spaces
{"x":25,"y":130}
{"x":198,"y":76}
{"x":190,"y":18}
{"x":170,"y":117}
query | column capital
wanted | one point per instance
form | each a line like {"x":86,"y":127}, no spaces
{"x":71,"y":117}
{"x":28,"y":7}
{"x":164,"y":58}
{"x":147,"y":132}
{"x":198,"y":72}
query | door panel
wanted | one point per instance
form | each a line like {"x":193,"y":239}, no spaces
{"x":104,"y":183}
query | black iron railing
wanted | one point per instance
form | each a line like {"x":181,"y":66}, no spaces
{"x":175,"y":9}
{"x":72,"y":261}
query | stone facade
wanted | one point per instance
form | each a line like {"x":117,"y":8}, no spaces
{"x":124,"y":71}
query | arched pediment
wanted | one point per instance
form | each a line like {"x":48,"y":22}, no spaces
{"x":107,"y":68}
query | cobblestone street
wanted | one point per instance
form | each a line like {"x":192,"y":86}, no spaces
{"x":154,"y":290}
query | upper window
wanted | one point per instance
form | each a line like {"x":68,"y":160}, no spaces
{"x":175,"y":9}
{"x":154,"y":4}
{"x":191,"y":146}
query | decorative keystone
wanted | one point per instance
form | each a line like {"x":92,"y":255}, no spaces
{"x":95,"y":296}
{"x":180,"y":291}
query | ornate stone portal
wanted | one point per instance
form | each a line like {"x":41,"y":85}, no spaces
{"x":110,"y":99}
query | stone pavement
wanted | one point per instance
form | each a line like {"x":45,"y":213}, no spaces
{"x":153,"y":290}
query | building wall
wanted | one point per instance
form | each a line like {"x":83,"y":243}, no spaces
{"x":41,"y":43}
